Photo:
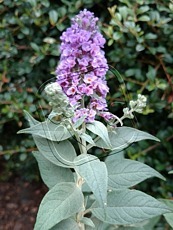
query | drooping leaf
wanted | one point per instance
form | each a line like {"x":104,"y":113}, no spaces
{"x":129,"y":207}
{"x":68,"y":224}
{"x":122,"y":137}
{"x":99,"y":129}
{"x":126,"y":173}
{"x":61,"y":154}
{"x":49,"y":130}
{"x":61,"y":202}
{"x":52,"y":174}
{"x":94,"y":173}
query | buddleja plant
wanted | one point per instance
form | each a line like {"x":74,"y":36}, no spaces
{"x":86,"y":192}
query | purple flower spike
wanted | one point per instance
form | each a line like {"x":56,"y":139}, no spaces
{"x":82,"y":68}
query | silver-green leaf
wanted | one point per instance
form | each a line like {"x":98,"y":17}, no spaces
{"x":61,"y":202}
{"x":52,"y":174}
{"x":49,"y":130}
{"x":122,"y":137}
{"x":125,"y":173}
{"x":99,"y":129}
{"x":32,"y":121}
{"x":128,"y":207}
{"x":94,"y":173}
{"x":61,"y":154}
{"x":87,"y":138}
{"x":68,"y":224}
{"x":169,"y":216}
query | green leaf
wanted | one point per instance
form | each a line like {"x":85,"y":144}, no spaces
{"x":94,"y":173}
{"x":122,"y":137}
{"x":52,"y":174}
{"x":32,"y":2}
{"x":61,"y":202}
{"x":151,"y":74}
{"x":117,"y":35}
{"x":130,"y":72}
{"x":139,"y":47}
{"x":144,"y":18}
{"x":49,"y":130}
{"x":150,"y":36}
{"x":61,"y":154}
{"x":99,"y":129}
{"x":35,"y":46}
{"x":142,"y":9}
{"x":129,"y":207}
{"x":123,"y":11}
{"x":126,"y":173}
{"x":53,"y":17}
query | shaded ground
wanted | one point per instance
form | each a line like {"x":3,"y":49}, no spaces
{"x":19,"y":203}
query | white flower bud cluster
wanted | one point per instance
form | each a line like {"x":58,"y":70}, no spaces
{"x":135,"y":106}
{"x":128,"y":113}
{"x":58,"y":101}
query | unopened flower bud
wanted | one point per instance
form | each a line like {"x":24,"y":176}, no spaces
{"x":128,"y":113}
{"x":58,"y":101}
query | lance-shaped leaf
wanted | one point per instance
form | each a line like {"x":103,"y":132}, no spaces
{"x":122,"y":137}
{"x":61,"y":202}
{"x":49,"y":130}
{"x":68,"y":224}
{"x":128,"y":207}
{"x":88,"y":222}
{"x":94,"y":173}
{"x":100,"y":225}
{"x":126,"y":173}
{"x":144,"y":225}
{"x":87,"y":138}
{"x":52,"y":174}
{"x":99,"y":129}
{"x":79,"y":122}
{"x":61,"y":154}
{"x":30,"y":119}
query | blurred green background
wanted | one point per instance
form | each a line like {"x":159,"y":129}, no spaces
{"x":139,"y":45}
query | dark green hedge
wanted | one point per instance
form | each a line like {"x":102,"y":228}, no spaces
{"x":139,"y":45}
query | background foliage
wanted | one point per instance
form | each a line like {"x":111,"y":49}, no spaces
{"x":139,"y":45}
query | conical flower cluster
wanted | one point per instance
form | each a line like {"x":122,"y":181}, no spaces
{"x":82,"y":67}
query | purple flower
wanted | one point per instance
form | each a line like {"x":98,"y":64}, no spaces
{"x":82,"y":67}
